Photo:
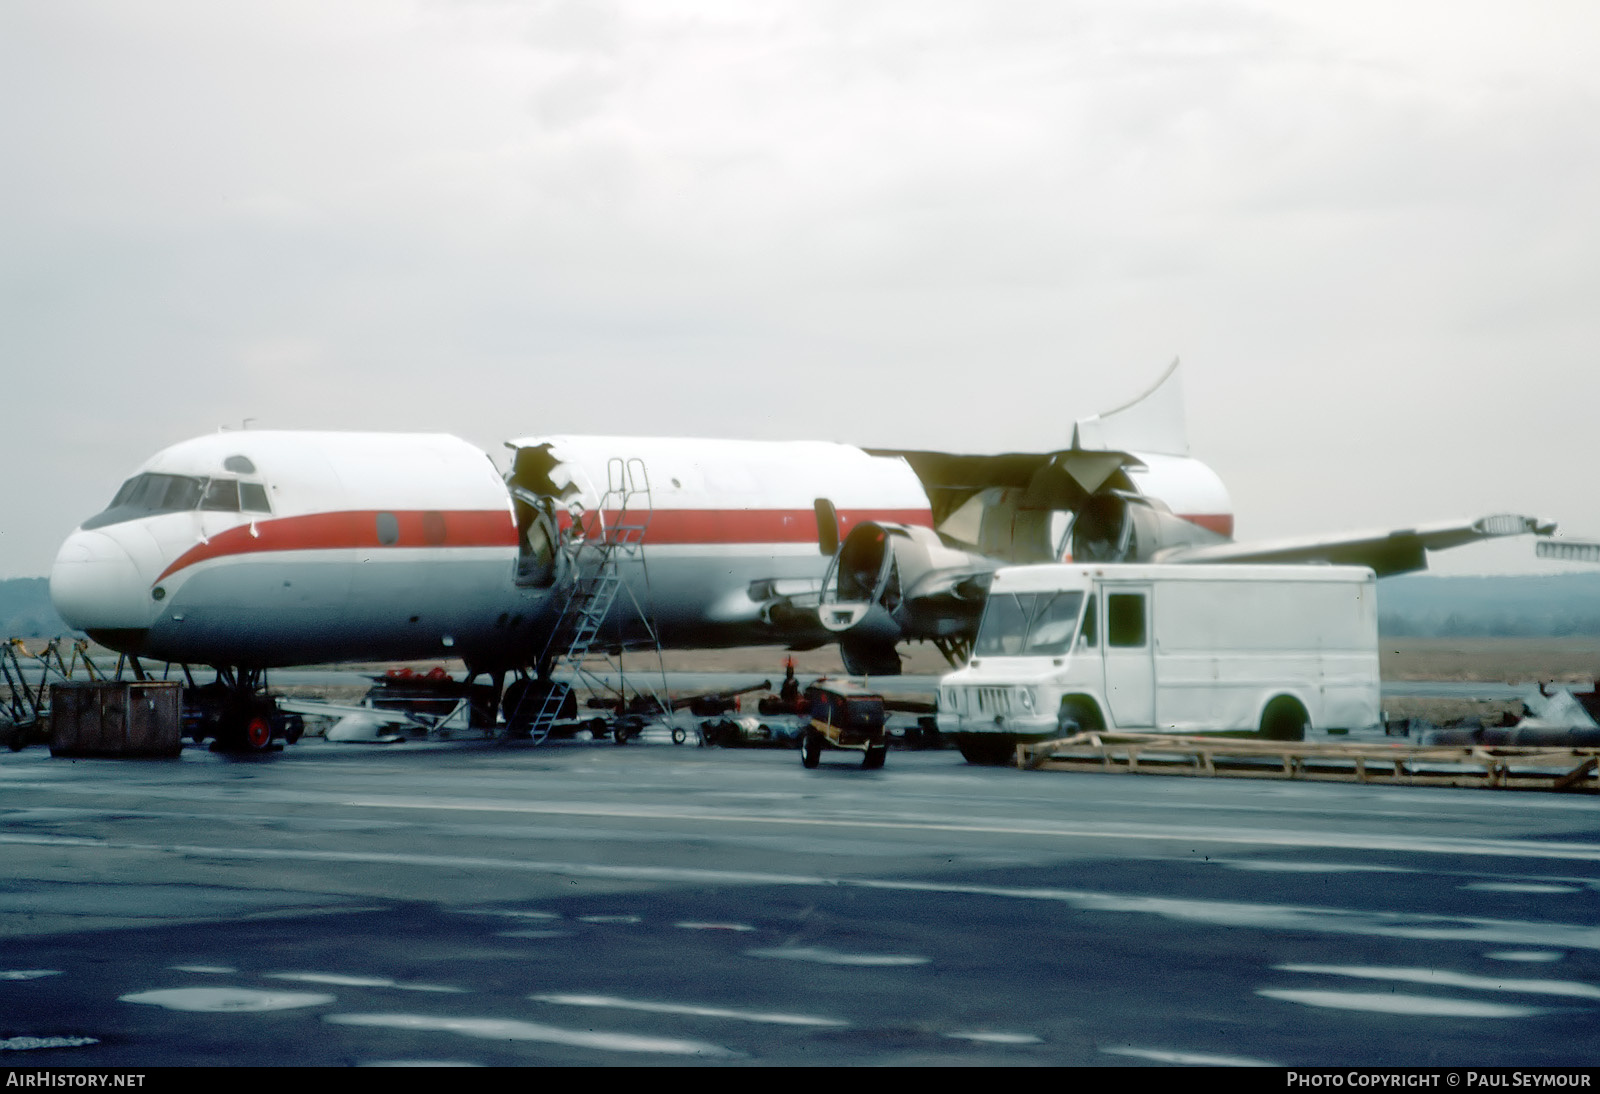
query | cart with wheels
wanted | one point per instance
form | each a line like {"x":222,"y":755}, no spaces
{"x":844,"y":716}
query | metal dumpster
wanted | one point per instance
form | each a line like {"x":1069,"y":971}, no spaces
{"x":116,"y":718}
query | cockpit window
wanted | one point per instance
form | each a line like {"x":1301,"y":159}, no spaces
{"x":239,"y":465}
{"x":129,"y":488}
{"x":222,"y":496}
{"x":151,"y":493}
{"x":253,"y":498}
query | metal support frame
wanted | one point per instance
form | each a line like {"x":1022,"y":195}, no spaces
{"x":597,"y":549}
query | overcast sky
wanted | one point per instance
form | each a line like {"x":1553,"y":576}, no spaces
{"x":1370,"y":230}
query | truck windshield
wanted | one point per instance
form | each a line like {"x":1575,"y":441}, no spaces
{"x":1028,"y":624}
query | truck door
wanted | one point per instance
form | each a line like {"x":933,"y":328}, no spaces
{"x":1129,"y":656}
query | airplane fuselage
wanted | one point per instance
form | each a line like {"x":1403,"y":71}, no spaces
{"x":263,"y":549}
{"x":260,"y":549}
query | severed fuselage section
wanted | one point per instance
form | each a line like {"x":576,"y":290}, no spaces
{"x":802,"y":543}
{"x":892,"y":583}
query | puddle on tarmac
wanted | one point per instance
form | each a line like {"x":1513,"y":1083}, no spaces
{"x":1421,"y":1006}
{"x":692,"y":1009}
{"x":508,"y":913}
{"x":834,"y":957}
{"x":1188,"y":1059}
{"x":1520,"y":887}
{"x":506,"y":1029}
{"x":223,"y":969}
{"x":27,"y":974}
{"x":609,"y":919}
{"x":1570,"y":989}
{"x":995,"y":1038}
{"x":1268,"y":866}
{"x":418,"y":1063}
{"x":533,"y":934}
{"x":339,"y":980}
{"x":1525,"y":955}
{"x":236,"y":1000}
{"x":715,"y":926}
{"x":1286,"y":917}
{"x":28,"y":1044}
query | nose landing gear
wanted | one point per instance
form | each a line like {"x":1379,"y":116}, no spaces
{"x":236,"y":717}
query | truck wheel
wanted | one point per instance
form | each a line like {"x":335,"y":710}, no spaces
{"x":1079,"y":716}
{"x":811,"y":748}
{"x":1285,"y":720}
{"x":985,"y":750}
{"x":873,"y":759}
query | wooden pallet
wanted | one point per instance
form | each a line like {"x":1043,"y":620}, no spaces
{"x":1497,"y":767}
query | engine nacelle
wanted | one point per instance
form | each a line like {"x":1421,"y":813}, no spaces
{"x":1115,"y":526}
{"x":894,"y":582}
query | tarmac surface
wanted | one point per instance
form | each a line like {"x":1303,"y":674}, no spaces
{"x":580,"y":903}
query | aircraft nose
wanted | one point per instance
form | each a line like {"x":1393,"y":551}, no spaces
{"x":95,"y":585}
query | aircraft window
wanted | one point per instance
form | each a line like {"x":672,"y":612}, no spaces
{"x":388,"y":529}
{"x":126,"y":491}
{"x":1028,"y":624}
{"x":433,"y":528}
{"x":239,"y":464}
{"x":148,"y":494}
{"x":222,"y":496}
{"x":181,"y":493}
{"x":253,"y":498}
{"x":1125,"y":619}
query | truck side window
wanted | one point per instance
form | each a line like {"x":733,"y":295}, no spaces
{"x":1090,"y":633}
{"x":1125,"y":619}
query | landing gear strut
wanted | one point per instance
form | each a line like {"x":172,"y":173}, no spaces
{"x":234,"y":713}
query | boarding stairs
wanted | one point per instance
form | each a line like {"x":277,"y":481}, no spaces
{"x":600,"y":545}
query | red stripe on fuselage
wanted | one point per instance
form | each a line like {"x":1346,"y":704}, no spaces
{"x":358,"y":530}
{"x":1220,"y":523}
{"x":707,"y":526}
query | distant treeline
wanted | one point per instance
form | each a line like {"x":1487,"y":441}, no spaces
{"x":1532,"y":606}
{"x":26,"y":611}
{"x":1418,"y":605}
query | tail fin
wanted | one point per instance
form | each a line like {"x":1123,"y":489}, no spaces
{"x":1154,"y":422}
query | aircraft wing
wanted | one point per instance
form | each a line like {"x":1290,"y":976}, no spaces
{"x":1387,"y":552}
{"x":1569,"y":550}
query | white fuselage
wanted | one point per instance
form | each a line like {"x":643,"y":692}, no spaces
{"x":261,"y":548}
{"x":396,"y":546}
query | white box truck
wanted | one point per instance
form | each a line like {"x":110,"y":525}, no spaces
{"x":1280,"y":650}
